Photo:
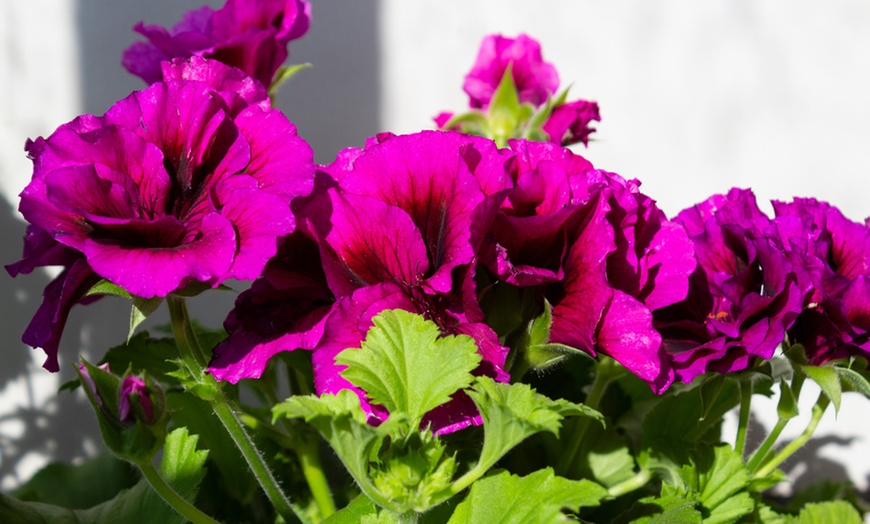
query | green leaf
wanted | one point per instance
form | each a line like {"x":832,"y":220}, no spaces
{"x":104,"y":287}
{"x":536,"y":498}
{"x":182,"y":464}
{"x":283,"y":74}
{"x":79,"y":486}
{"x":827,"y":379}
{"x":342,"y":422}
{"x":787,"y":407}
{"x":853,"y":381}
{"x":840,"y":512}
{"x":181,"y":467}
{"x":144,"y":353}
{"x":361,"y":509}
{"x":406,"y":366}
{"x":662,"y":510}
{"x":719,"y":478}
{"x":504,"y":110}
{"x":512,"y":412}
{"x":198,"y":416}
{"x":608,"y":461}
{"x":142,"y":307}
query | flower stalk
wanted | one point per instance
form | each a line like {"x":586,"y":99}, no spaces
{"x":195,"y":360}
{"x":179,"y":503}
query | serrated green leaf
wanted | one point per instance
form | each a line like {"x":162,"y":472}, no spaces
{"x":142,"y":308}
{"x":182,"y":464}
{"x":407,"y":366}
{"x":719,"y":478}
{"x":662,"y":510}
{"x":342,"y":422}
{"x":828,"y":380}
{"x":839,"y":512}
{"x":513,"y":412}
{"x":536,"y":498}
{"x":198,"y":416}
{"x":852,"y":380}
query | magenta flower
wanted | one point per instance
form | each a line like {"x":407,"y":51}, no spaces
{"x":745,"y":293}
{"x":836,"y":324}
{"x":535,"y":79}
{"x":569,"y":123}
{"x":189,"y":180}
{"x":135,"y":391}
{"x":396,"y":225}
{"x":251,"y":35}
{"x":602,"y":253}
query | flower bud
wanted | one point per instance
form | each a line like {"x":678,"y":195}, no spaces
{"x":131,"y":411}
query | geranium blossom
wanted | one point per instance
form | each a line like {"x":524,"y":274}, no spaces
{"x":602,"y":252}
{"x":746,"y":291}
{"x":251,"y":35}
{"x":837,"y":322}
{"x":189,"y":180}
{"x":535,"y":79}
{"x":569,"y":123}
{"x":399,"y":226}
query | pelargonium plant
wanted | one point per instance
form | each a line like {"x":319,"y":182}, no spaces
{"x":468,"y":324}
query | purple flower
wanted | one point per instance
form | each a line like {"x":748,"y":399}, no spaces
{"x":569,"y":123}
{"x":535,"y":79}
{"x":251,"y":35}
{"x":135,"y":391}
{"x":603,"y":254}
{"x":60,"y":295}
{"x":746,"y":291}
{"x":189,"y":180}
{"x":836,"y":323}
{"x":395,"y":225}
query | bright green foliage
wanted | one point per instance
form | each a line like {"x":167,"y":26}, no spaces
{"x":513,"y":412}
{"x":181,"y":466}
{"x":536,"y":498}
{"x":827,"y":379}
{"x":717,"y":480}
{"x":407,"y":367}
{"x":839,"y":512}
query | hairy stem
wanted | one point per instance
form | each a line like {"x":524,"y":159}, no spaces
{"x":818,"y":410}
{"x":196,"y":361}
{"x":178,"y":503}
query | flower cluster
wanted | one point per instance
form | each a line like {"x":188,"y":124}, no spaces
{"x":413,"y":284}
{"x":186,"y":182}
{"x":516,"y":66}
{"x":196,"y":180}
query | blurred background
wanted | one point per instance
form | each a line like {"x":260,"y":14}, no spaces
{"x":696,"y":98}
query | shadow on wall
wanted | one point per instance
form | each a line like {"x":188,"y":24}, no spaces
{"x":335,"y":104}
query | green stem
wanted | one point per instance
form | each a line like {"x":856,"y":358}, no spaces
{"x":605,"y":372}
{"x":309,"y":457}
{"x":638,"y":481}
{"x":743,"y":420}
{"x":759,"y":455}
{"x":818,"y":411}
{"x":178,"y":503}
{"x":196,"y":361}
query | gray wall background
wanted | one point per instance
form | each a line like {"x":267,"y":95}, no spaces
{"x":696,"y":97}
